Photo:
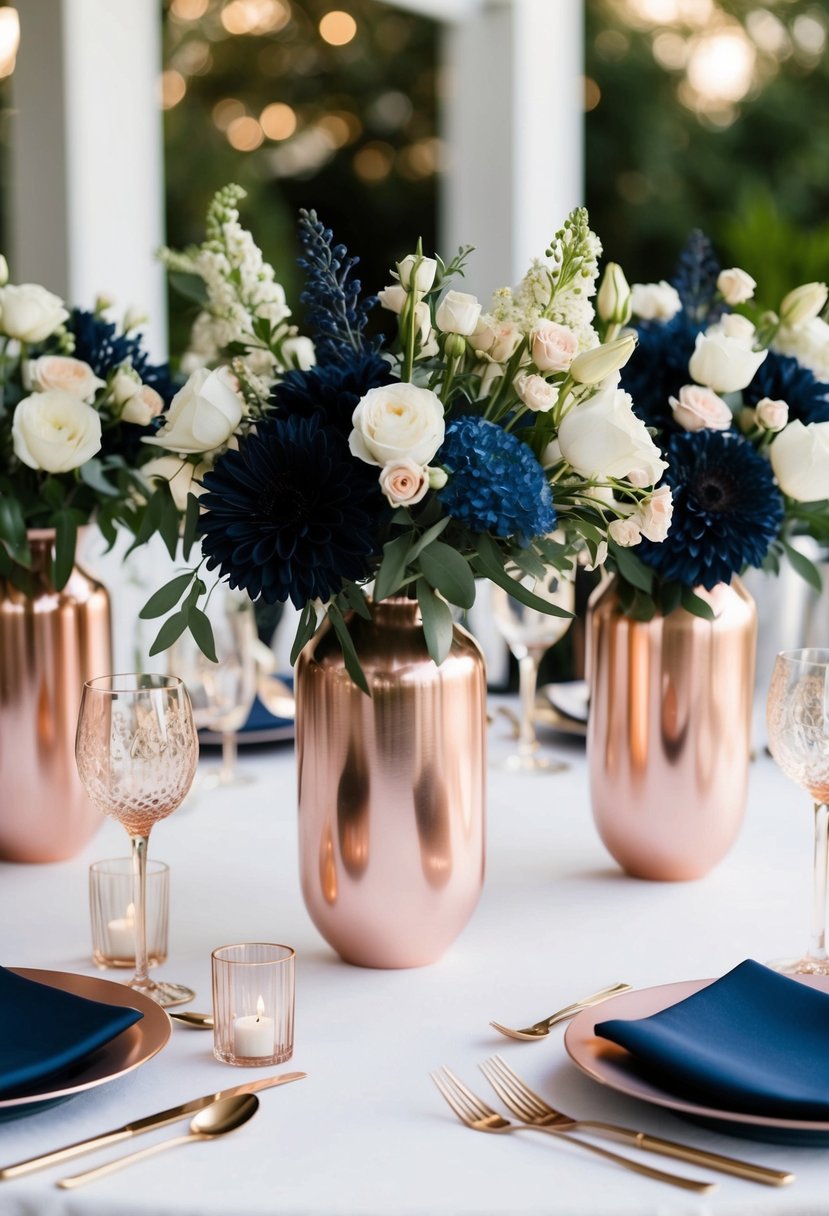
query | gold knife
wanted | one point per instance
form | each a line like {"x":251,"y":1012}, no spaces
{"x":143,"y":1125}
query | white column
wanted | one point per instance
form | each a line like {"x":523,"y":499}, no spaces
{"x":513,"y":116}
{"x":87,"y":165}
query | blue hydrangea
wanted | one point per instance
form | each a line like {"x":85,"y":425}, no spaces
{"x":495,"y":484}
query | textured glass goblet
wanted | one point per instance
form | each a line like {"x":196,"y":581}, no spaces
{"x":798,"y":725}
{"x":136,"y":749}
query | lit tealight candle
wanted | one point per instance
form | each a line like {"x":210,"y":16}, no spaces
{"x":121,"y":935}
{"x":253,"y":1035}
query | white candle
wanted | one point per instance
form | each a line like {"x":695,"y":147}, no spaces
{"x":253,"y":1035}
{"x":121,"y":935}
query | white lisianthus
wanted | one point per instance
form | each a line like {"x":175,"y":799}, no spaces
{"x":55,"y":431}
{"x":299,"y":352}
{"x":181,"y":475}
{"x":735,"y":286}
{"x":803,"y":304}
{"x":624,"y":532}
{"x":553,"y":346}
{"x":653,"y":516}
{"x":124,"y":384}
{"x":404,"y":482}
{"x":596,"y":365}
{"x":771,"y":415}
{"x":734,"y":325}
{"x":29,"y":312}
{"x":722,"y":363}
{"x":458,"y":313}
{"x":613,"y":299}
{"x":654,"y":301}
{"x":698,"y":409}
{"x":397,"y":422}
{"x":800,"y":459}
{"x":203,"y":415}
{"x":417,"y":273}
{"x":143,"y":406}
{"x":61,"y":372}
{"x":393,"y":297}
{"x":535,"y":392}
{"x":602,"y":438}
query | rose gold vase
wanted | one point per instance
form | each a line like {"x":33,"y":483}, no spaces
{"x":49,"y":644}
{"x":391,"y":789}
{"x":669,"y":731}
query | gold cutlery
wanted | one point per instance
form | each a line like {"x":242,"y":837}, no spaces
{"x":474,"y":1113}
{"x":143,"y":1125}
{"x":540,"y":1030}
{"x":189,"y":1017}
{"x":217,"y":1119}
{"x":531,"y":1108}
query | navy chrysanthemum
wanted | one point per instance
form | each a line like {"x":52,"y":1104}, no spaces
{"x":495,"y":483}
{"x":727,"y":509}
{"x":98,"y":343}
{"x":658,"y":368}
{"x":783,"y":379}
{"x":330,"y":389}
{"x":291,"y":514}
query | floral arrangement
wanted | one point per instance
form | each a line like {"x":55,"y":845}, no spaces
{"x":733,"y":396}
{"x":474,"y":442}
{"x":77,"y":395}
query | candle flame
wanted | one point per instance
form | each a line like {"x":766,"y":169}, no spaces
{"x":260,"y":1008}
{"x":130,"y":916}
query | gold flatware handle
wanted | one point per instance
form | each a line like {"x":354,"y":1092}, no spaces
{"x":638,"y":1167}
{"x":68,"y":1184}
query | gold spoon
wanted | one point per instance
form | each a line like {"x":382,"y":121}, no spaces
{"x":540,"y":1030}
{"x":189,"y":1017}
{"x":215,"y":1120}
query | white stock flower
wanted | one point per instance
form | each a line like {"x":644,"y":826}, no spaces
{"x":203,"y":415}
{"x":393,"y":297}
{"x":722,"y":363}
{"x":803,"y":304}
{"x":397,"y":422}
{"x":771,"y":415}
{"x":62,"y":372}
{"x":553,"y":346}
{"x":653,"y":515}
{"x":698,"y":409}
{"x":299,"y":352}
{"x":142,"y":406}
{"x":654,"y":301}
{"x":29,"y":312}
{"x":535,"y":392}
{"x":458,"y":313}
{"x":404,"y":482}
{"x":181,"y":475}
{"x":800,"y":459}
{"x":602,"y":438}
{"x":624,"y":532}
{"x":417,"y":273}
{"x":735,"y":286}
{"x":55,"y":431}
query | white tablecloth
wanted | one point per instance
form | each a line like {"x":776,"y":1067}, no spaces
{"x":366,"y":1132}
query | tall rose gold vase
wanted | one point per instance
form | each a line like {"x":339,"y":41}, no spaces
{"x":669,"y":731}
{"x":49,"y":644}
{"x":391,"y":789}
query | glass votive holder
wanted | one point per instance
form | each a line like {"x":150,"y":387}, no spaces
{"x":253,"y":1003}
{"x":112,"y":912}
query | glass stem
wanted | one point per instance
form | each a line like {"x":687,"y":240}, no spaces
{"x":229,"y":754}
{"x":139,"y":898}
{"x":817,"y":944}
{"x":527,"y":680}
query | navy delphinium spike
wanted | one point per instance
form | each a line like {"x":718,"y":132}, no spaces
{"x":336,"y":312}
{"x":695,"y":278}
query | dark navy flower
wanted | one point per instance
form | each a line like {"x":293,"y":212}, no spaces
{"x":658,"y":368}
{"x":331,"y":389}
{"x":727,"y":509}
{"x":291,"y":514}
{"x":337,"y":311}
{"x":495,"y":483}
{"x":783,"y":379}
{"x":99,"y":343}
{"x":695,"y":279}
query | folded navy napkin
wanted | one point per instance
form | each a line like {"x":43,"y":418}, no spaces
{"x":45,"y":1032}
{"x":754,"y":1041}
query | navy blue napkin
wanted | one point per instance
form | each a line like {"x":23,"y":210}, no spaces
{"x":45,"y":1032}
{"x":754,"y":1041}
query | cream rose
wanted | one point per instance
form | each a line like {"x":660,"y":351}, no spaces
{"x":55,"y":431}
{"x":771,"y":415}
{"x":417,"y":273}
{"x":458,"y":313}
{"x":143,"y":406}
{"x":722,"y":363}
{"x":654,"y":301}
{"x":203,"y":415}
{"x":29,"y":312}
{"x":698,"y":409}
{"x":800,"y":459}
{"x":625,"y":532}
{"x":602,"y":438}
{"x":535,"y":392}
{"x":397,"y":422}
{"x":553,"y":346}
{"x":735,"y":286}
{"x":181,"y":476}
{"x":404,"y":483}
{"x":498,"y":339}
{"x":653,"y":516}
{"x":393,"y":297}
{"x":69,"y":375}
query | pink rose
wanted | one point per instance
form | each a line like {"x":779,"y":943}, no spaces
{"x":71,"y":376}
{"x":625,"y":532}
{"x":655,"y":513}
{"x":699,"y":409}
{"x":553,"y":346}
{"x":771,"y":415}
{"x":535,"y":392}
{"x":404,"y":482}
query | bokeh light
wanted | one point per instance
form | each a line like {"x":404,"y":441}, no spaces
{"x":245,"y":134}
{"x":337,"y":28}
{"x":278,"y":120}
{"x":173,"y":88}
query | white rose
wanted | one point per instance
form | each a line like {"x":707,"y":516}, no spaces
{"x":404,"y":482}
{"x":458,"y":313}
{"x":722,"y":363}
{"x":417,"y":273}
{"x":60,"y":372}
{"x":654,"y":301}
{"x":735,"y":286}
{"x":393,"y":298}
{"x":181,"y":476}
{"x":203,"y":415}
{"x":55,"y":431}
{"x":125,"y":384}
{"x":602,"y":438}
{"x":653,"y":516}
{"x":142,"y":406}
{"x":553,"y":346}
{"x":535,"y":392}
{"x":698,"y":409}
{"x":625,"y":532}
{"x":771,"y":415}
{"x":800,"y":459}
{"x":397,"y":422}
{"x":734,"y":325}
{"x":29,"y":312}
{"x":299,"y":352}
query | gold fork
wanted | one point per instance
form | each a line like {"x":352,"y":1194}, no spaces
{"x":474,"y":1113}
{"x":540,"y":1030}
{"x":531,"y":1108}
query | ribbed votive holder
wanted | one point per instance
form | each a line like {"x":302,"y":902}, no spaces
{"x":112,"y":912}
{"x":253,"y":1003}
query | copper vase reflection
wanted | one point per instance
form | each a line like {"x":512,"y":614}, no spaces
{"x":669,"y":731}
{"x":391,"y":790}
{"x":49,"y":644}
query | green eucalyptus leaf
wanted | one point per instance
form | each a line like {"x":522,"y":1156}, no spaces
{"x":191,"y":520}
{"x":632,"y":569}
{"x":92,"y":475}
{"x":13,"y":531}
{"x":489,"y":563}
{"x":449,"y":573}
{"x":306,"y":629}
{"x":66,"y":537}
{"x":437,"y":621}
{"x":803,"y":566}
{"x":170,"y":632}
{"x":166,"y":597}
{"x":352,"y":661}
{"x":199,"y":625}
{"x":696,"y":605}
{"x":392,"y":568}
{"x":428,"y":536}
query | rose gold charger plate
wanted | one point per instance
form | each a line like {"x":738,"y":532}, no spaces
{"x":614,"y":1067}
{"x":128,"y":1050}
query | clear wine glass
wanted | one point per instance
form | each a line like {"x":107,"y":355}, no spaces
{"x":530,"y":633}
{"x":136,"y":749}
{"x":798,"y":725}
